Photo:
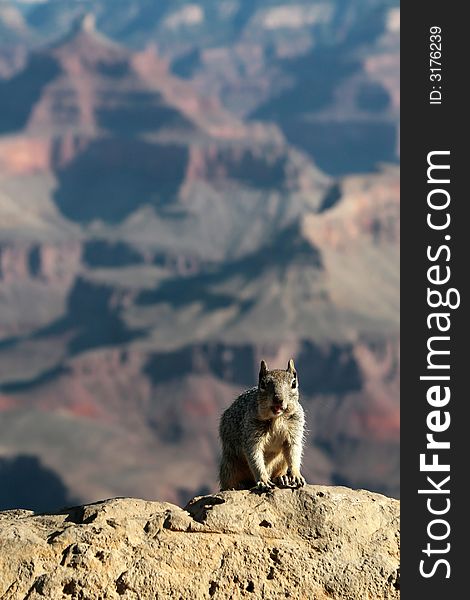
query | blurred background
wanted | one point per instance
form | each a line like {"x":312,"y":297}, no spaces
{"x":187,"y":187}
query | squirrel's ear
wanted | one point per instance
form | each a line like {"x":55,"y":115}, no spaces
{"x":263,"y":369}
{"x":290,"y":366}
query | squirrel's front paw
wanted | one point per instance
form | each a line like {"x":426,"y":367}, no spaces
{"x":283,"y":481}
{"x":264,"y":485}
{"x":296,"y":479}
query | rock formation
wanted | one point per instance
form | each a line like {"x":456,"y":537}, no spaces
{"x":154,"y":246}
{"x":314,"y":543}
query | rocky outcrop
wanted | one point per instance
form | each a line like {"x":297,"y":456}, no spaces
{"x":317,"y":543}
{"x":52,"y":263}
{"x":154,"y":248}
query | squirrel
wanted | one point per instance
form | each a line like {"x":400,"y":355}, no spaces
{"x":262,"y":434}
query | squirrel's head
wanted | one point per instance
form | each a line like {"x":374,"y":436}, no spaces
{"x":278,"y":391}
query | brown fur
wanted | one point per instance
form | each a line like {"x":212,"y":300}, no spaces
{"x":262,"y":433}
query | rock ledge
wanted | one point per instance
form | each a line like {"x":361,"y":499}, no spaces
{"x":315,"y":543}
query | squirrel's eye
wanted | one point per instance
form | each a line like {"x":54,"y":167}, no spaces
{"x":294,"y":384}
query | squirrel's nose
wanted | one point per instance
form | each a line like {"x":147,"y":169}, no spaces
{"x":277,"y":400}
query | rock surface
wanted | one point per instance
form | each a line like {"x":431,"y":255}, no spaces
{"x":315,"y":543}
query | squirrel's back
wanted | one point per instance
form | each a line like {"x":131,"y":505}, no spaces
{"x":232,"y":423}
